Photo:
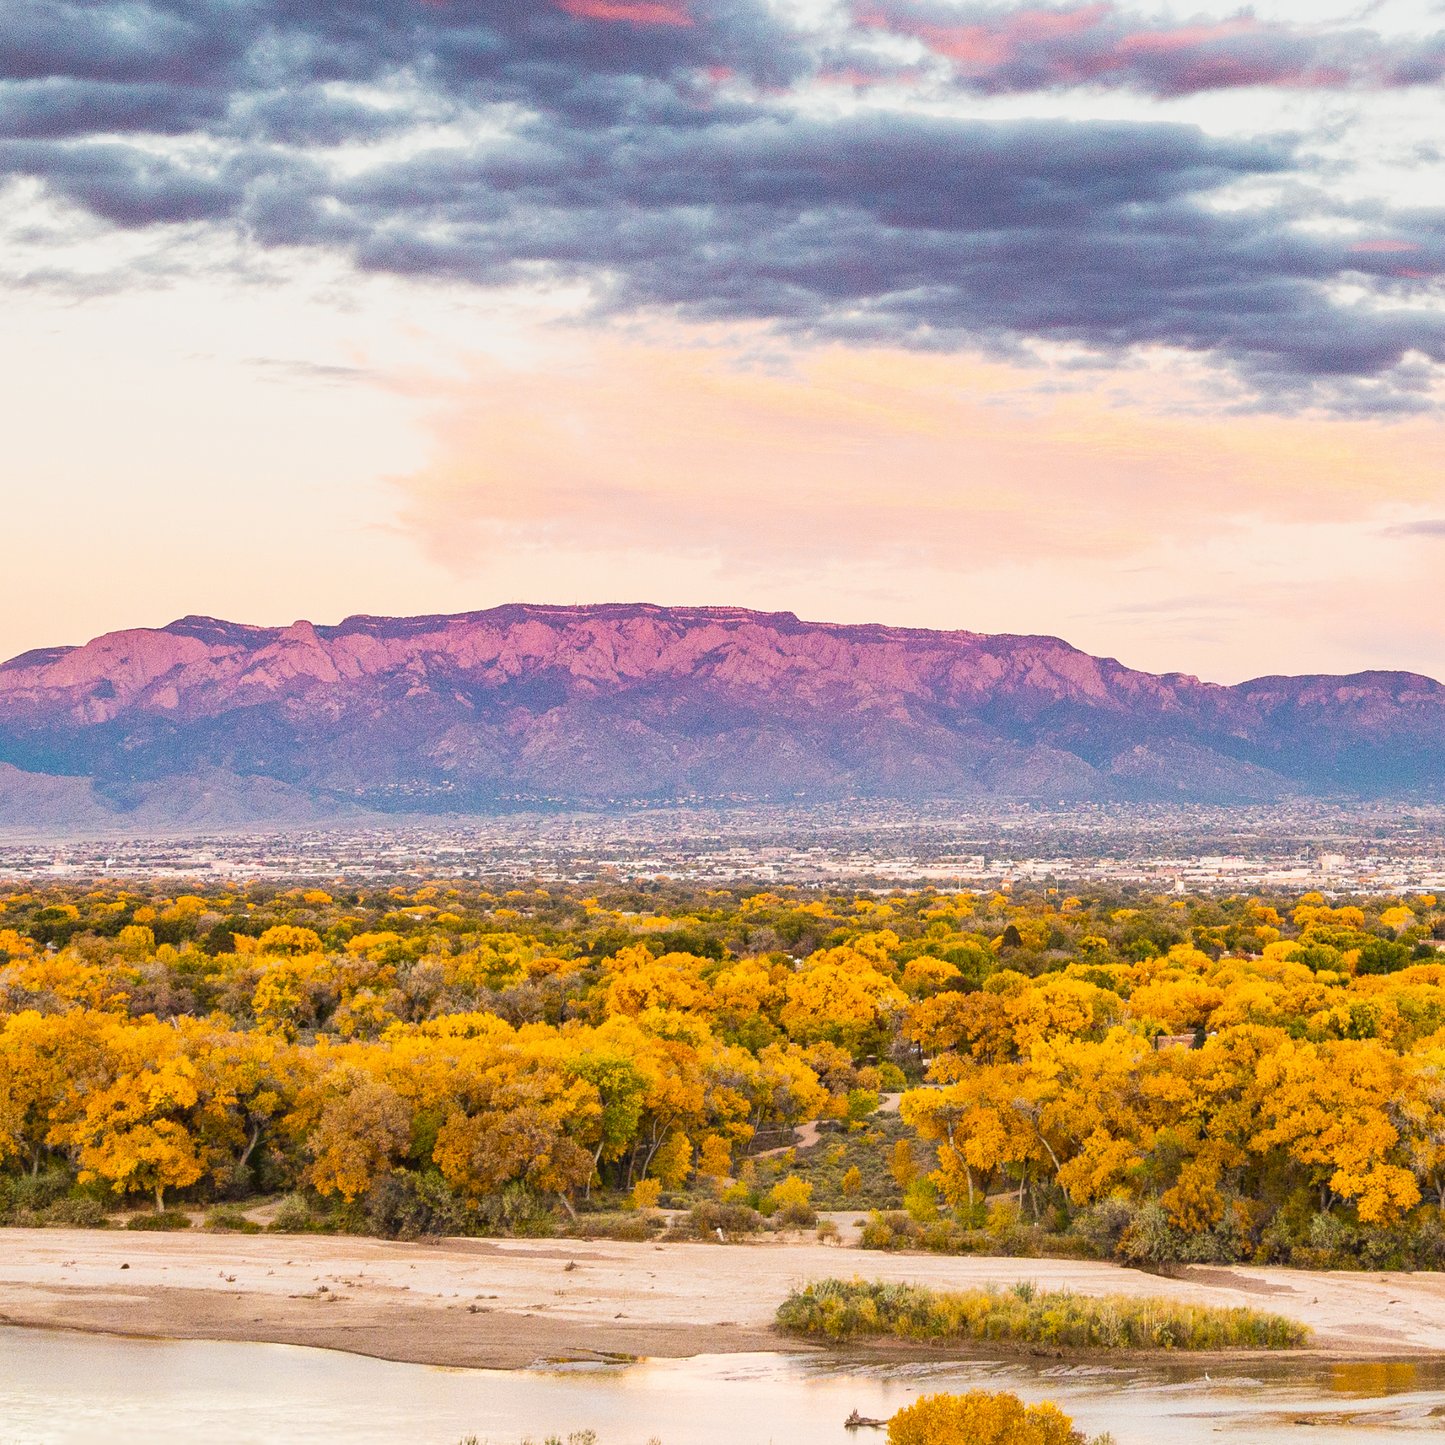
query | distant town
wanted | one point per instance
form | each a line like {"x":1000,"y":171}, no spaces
{"x":1341,"y":848}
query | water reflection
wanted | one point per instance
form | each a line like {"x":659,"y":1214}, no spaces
{"x":63,"y":1389}
{"x":1366,"y":1377}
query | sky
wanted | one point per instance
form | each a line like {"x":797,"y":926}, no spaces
{"x":1119,"y":324}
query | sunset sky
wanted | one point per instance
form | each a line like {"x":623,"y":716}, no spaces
{"x":1120,"y":324}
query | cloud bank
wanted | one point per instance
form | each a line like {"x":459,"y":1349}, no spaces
{"x":676,"y":157}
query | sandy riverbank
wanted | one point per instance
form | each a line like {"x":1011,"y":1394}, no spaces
{"x":506,"y":1303}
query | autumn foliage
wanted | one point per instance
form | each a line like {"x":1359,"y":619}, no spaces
{"x":980,"y":1417}
{"x":1158,"y":1078}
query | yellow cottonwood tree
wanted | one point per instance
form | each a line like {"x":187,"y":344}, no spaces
{"x":138,"y":1134}
{"x":1329,"y":1106}
{"x":843,"y":1000}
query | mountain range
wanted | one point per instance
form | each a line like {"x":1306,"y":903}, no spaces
{"x":212,"y":723}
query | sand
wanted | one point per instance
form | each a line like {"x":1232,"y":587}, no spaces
{"x":509,"y":1303}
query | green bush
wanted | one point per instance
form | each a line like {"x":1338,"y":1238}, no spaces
{"x":843,"y":1310}
{"x":515,"y":1210}
{"x":167,"y":1219}
{"x":861,"y":1103}
{"x":1104,"y":1225}
{"x":794,"y":1216}
{"x":1140,"y":1233}
{"x":293,"y":1216}
{"x":76,"y":1214}
{"x":232,"y":1221}
{"x":39,"y":1191}
{"x":920,"y":1199}
{"x":707,"y":1218}
{"x":407,"y":1205}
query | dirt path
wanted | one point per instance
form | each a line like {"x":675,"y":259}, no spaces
{"x":808,"y":1134}
{"x":506,"y":1303}
{"x":804,"y":1137}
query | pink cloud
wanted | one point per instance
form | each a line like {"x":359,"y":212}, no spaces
{"x":1385,"y":246}
{"x":989,"y":44}
{"x":632,"y":12}
{"x":676,"y":450}
{"x":1188,"y":37}
{"x":1036,"y":49}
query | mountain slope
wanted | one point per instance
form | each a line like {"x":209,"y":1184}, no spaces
{"x":586,"y":704}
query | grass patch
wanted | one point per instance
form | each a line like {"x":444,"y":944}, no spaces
{"x":845,"y":1310}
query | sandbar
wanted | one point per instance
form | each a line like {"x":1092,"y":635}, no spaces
{"x":511,"y":1303}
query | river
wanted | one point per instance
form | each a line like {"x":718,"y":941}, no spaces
{"x":72,"y":1389}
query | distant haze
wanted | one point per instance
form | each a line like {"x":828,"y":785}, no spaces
{"x":217,"y":723}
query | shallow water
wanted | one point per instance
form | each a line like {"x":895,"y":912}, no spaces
{"x":65,"y":1389}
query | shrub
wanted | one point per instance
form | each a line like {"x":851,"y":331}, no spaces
{"x":795,"y":1216}
{"x":632,"y":1228}
{"x":844,"y":1311}
{"x":293,"y":1216}
{"x":980,"y":1418}
{"x":1104,"y":1224}
{"x":708,"y":1217}
{"x":828,"y":1232}
{"x":39,"y":1191}
{"x":167,"y":1220}
{"x":232,"y":1221}
{"x":407,"y":1205}
{"x":1118,"y":1228}
{"x":852,"y":1181}
{"x":861,"y":1103}
{"x":76,"y":1214}
{"x":894,"y":1229}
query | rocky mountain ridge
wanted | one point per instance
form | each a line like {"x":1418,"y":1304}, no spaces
{"x":586,"y":705}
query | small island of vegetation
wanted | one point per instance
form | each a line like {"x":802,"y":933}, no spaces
{"x":848,"y":1310}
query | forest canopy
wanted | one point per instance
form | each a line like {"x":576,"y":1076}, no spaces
{"x":1158,"y":1077}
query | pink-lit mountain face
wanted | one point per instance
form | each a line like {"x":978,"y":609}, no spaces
{"x":620,"y":702}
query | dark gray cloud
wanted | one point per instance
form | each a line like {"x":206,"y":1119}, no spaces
{"x":608,"y":151}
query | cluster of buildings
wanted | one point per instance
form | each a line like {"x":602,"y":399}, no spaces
{"x":1359,"y":851}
